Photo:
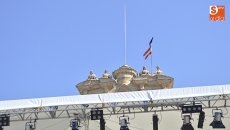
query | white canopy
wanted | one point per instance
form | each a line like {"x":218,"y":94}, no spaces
{"x":117,"y":97}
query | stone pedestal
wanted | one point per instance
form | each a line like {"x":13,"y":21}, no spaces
{"x":124,"y":75}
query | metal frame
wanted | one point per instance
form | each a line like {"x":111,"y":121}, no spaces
{"x":83,"y":110}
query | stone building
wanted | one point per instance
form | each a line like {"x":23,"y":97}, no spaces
{"x":125,"y":79}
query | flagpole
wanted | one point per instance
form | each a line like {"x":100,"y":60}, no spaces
{"x":125,"y":34}
{"x":151,"y":60}
{"x":151,"y":56}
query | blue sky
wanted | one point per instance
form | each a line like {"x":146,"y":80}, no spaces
{"x":47,"y":47}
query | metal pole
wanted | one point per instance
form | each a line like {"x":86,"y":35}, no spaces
{"x":151,"y":60}
{"x":125,"y":33}
{"x":155,"y":122}
{"x":102,"y":124}
{"x":150,"y":44}
{"x":87,"y":123}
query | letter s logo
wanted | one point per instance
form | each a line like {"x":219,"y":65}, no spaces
{"x":213,"y":10}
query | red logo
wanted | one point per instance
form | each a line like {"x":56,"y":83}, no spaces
{"x":217,"y":13}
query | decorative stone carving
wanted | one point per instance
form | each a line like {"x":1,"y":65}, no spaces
{"x":92,"y":76}
{"x":124,"y":75}
{"x":102,"y":85}
{"x":140,"y":82}
{"x":158,"y":71}
{"x":92,"y":85}
{"x":125,"y":79}
{"x":159,"y":82}
{"x":108,"y":84}
{"x":106,"y":75}
{"x":144,"y":72}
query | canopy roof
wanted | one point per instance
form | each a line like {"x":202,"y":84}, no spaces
{"x":152,"y":95}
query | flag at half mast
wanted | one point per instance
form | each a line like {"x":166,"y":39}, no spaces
{"x":149,"y":51}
